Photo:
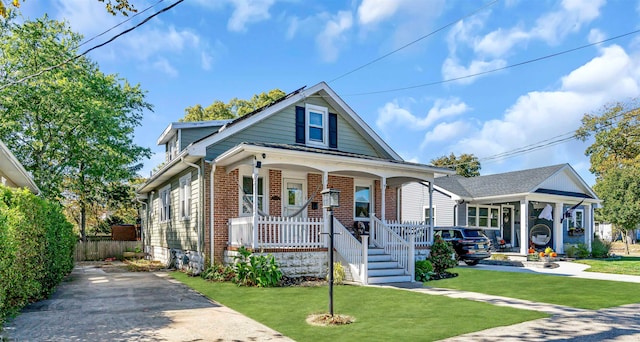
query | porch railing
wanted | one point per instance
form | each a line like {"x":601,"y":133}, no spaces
{"x":351,"y":250}
{"x":277,"y":232}
{"x":402,"y":251}
{"x":422,"y":232}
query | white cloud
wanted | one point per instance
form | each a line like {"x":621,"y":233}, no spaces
{"x":570,"y":18}
{"x":541,"y":115}
{"x":248,"y":11}
{"x":446,"y":131}
{"x":596,"y":35}
{"x":87,"y":17}
{"x":451,"y":69}
{"x":163,"y":65}
{"x":146,"y":43}
{"x":333,"y":37}
{"x":374,"y":11}
{"x":392,"y":114}
{"x":499,"y":42}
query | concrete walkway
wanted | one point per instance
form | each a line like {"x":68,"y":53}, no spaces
{"x":110,"y":304}
{"x":567,"y":323}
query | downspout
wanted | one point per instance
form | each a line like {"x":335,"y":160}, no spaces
{"x":199,"y":249}
{"x":211,"y":187}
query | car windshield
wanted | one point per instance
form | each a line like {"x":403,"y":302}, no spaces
{"x":473,"y":233}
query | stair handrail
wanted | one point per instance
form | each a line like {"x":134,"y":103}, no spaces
{"x":351,"y":250}
{"x":400,"y":250}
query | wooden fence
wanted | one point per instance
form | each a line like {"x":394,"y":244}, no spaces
{"x":100,"y":250}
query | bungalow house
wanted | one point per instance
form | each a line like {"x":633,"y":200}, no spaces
{"x":256,"y":182}
{"x":542,"y":207}
{"x":12,"y":173}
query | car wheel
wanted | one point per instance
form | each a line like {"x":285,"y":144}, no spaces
{"x":471,"y":262}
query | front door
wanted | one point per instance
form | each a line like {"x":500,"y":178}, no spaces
{"x":294,"y":198}
{"x":507,"y":225}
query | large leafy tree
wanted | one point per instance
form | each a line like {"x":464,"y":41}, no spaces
{"x":72,"y":126}
{"x":615,"y":161}
{"x":219,"y":110}
{"x":466,"y":165}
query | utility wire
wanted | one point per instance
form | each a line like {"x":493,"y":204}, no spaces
{"x":415,"y":41}
{"x":120,"y":24}
{"x":92,"y":48}
{"x":498,"y":69}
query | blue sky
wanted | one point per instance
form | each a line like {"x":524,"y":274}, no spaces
{"x":201,"y":51}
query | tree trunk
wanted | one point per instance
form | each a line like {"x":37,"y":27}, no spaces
{"x":83,"y":221}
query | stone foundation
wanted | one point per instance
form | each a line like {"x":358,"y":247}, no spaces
{"x":294,"y":264}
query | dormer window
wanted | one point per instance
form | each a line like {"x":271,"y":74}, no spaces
{"x":172,"y":148}
{"x":317,"y":125}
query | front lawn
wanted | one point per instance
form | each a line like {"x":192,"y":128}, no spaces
{"x":624,"y":265}
{"x":574,"y":292}
{"x":381,"y":314}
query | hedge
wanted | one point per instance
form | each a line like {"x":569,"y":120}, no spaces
{"x":36,"y":249}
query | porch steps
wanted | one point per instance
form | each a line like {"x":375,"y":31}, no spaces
{"x":384,"y":270}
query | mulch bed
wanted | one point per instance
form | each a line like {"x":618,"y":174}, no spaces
{"x":302,"y":281}
{"x":443,"y":275}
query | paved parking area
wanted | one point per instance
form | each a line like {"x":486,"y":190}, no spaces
{"x":110,"y":304}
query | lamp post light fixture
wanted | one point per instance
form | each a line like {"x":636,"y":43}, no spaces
{"x":330,"y":200}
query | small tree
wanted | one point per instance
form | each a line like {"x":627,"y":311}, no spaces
{"x":466,"y":165}
{"x":442,"y":255}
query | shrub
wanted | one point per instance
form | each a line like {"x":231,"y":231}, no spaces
{"x":582,"y":251}
{"x":571,"y":251}
{"x":600,"y":249}
{"x":256,"y":270}
{"x":218,"y":272}
{"x":424,"y":270}
{"x":338,"y":273}
{"x":499,"y":256}
{"x":442,"y":255}
{"x":36,"y":249}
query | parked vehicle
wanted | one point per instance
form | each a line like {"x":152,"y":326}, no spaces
{"x":470,"y":244}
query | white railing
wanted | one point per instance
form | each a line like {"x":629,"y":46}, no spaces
{"x":351,"y":250}
{"x":423,"y":234}
{"x":277,"y":232}
{"x":401,"y":250}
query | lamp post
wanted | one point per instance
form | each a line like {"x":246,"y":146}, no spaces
{"x":330,"y":200}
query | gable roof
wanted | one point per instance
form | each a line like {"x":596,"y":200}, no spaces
{"x":320,"y":89}
{"x":510,"y":183}
{"x":14,"y":171}
{"x":173,"y":127}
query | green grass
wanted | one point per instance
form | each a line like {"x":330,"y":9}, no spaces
{"x":381,"y":314}
{"x":624,"y":265}
{"x":574,"y":292}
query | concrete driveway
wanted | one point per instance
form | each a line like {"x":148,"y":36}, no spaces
{"x":109,"y":304}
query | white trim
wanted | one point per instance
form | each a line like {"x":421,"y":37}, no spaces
{"x":324,"y":111}
{"x":174,"y":126}
{"x":488,"y":217}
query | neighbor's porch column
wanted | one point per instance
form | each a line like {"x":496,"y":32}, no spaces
{"x":588,"y":225}
{"x":431,"y":212}
{"x":383,"y":202}
{"x":254,"y":176}
{"x":524,"y":226}
{"x":558,"y":236}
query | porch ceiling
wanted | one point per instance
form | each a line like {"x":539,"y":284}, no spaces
{"x":334,"y":162}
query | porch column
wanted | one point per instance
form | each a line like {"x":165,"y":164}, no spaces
{"x":431,"y":212}
{"x":383,"y":188}
{"x":558,"y":236}
{"x":524,"y":226}
{"x":255,"y":206}
{"x":588,"y":225}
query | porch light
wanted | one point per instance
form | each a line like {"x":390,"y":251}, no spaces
{"x":330,"y":198}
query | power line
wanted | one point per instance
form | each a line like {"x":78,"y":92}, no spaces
{"x":120,"y":24}
{"x":498,"y":69}
{"x":415,"y":41}
{"x":92,"y":48}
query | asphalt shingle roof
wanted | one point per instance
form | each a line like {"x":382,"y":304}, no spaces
{"x":500,"y":184}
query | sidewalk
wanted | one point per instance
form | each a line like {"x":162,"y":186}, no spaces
{"x":566,"y":323}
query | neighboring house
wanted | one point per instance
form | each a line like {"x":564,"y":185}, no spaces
{"x":543,"y":207}
{"x":256,"y":181}
{"x":12,"y":173}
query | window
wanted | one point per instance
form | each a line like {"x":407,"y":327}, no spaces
{"x":172,"y":148}
{"x":362,"y":201}
{"x":575,"y":223}
{"x":247,"y":198}
{"x":483,"y":216}
{"x":317,"y":131}
{"x":185,"y":196}
{"x":165,"y":204}
{"x":426,"y":215}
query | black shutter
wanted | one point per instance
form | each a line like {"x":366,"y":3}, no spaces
{"x":333,"y":130}
{"x":300,"y":126}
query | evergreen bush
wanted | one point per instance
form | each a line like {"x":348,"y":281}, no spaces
{"x":442,"y":255}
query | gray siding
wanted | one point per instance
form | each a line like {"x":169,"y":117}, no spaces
{"x":280,"y":129}
{"x":189,"y":135}
{"x":176,"y":233}
{"x":415,"y":197}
